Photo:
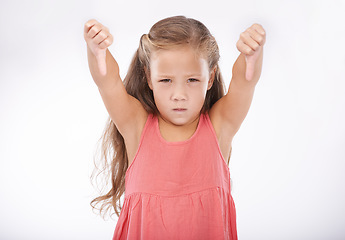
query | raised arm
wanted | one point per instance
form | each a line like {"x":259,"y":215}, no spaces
{"x":230,"y":111}
{"x":125,"y":111}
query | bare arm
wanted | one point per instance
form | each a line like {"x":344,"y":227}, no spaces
{"x":230,"y":111}
{"x":111,"y":76}
{"x":124,"y":110}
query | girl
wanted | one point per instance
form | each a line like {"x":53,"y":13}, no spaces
{"x":170,"y":128}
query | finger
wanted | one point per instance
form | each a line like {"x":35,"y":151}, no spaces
{"x":244,"y":48}
{"x":94,"y":30}
{"x":248,"y":39}
{"x":110,"y":39}
{"x":100,"y":37}
{"x":106,"y":42}
{"x":102,"y":65}
{"x":257,"y":37}
{"x":88,"y":25}
{"x":259,"y":28}
{"x":258,"y":34}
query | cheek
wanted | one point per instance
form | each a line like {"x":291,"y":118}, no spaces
{"x":199,"y":90}
{"x":159,"y":89}
{"x":197,"y":95}
{"x":160,"y":96}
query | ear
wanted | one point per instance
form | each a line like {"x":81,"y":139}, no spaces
{"x":212,"y":77}
{"x":148,"y":77}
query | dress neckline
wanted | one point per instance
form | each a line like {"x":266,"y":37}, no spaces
{"x":178,"y":142}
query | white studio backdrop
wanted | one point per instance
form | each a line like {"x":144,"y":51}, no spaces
{"x":288,"y":158}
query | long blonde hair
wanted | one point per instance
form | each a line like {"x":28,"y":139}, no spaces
{"x":167,"y":33}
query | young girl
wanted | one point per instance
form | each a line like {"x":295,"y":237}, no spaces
{"x":170,"y":128}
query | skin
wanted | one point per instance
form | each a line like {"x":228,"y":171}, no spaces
{"x":179,"y":80}
{"x":129,"y":115}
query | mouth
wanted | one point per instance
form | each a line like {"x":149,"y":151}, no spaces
{"x":179,"y":109}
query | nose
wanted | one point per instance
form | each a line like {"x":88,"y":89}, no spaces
{"x":179,"y":92}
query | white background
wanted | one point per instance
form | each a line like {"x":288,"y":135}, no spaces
{"x":288,"y":158}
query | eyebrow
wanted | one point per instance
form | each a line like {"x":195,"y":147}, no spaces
{"x":171,"y":76}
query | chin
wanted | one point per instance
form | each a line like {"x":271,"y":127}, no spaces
{"x":180,"y":120}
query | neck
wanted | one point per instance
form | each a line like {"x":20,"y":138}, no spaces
{"x":176,"y":133}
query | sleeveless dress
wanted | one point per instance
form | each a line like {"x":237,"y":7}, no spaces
{"x":177,"y":190}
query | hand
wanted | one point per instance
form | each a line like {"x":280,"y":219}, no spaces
{"x":98,"y":40}
{"x":250,"y":44}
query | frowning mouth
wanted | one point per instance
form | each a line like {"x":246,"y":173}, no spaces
{"x":180,"y":109}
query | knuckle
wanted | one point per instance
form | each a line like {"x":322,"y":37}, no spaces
{"x":101,"y":45}
{"x":256,"y":25}
{"x":249,"y":51}
{"x":99,"y":26}
{"x":238,"y":45}
{"x":106,"y":42}
{"x":261,"y":30}
{"x":89,"y":21}
{"x":111,"y":39}
{"x":260,"y":39}
{"x":93,"y":22}
{"x":94,"y":30}
{"x":103,"y":34}
{"x":250,"y":30}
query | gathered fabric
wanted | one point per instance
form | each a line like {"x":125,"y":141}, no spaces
{"x":177,"y":190}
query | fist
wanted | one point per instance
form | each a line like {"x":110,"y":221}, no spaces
{"x":250,"y":44}
{"x":98,"y":40}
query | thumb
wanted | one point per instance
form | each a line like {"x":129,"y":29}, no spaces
{"x":102,"y":64}
{"x":250,"y":64}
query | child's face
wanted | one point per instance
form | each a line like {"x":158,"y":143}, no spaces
{"x":179,"y":80}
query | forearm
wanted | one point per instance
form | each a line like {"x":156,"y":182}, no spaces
{"x":239,"y":72}
{"x":112,"y":76}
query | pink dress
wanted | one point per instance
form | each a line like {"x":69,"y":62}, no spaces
{"x":177,"y":190}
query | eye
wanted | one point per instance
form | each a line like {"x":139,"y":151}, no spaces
{"x":165,"y":80}
{"x":193,"y":80}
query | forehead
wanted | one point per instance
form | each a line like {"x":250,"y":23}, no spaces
{"x":177,"y":60}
